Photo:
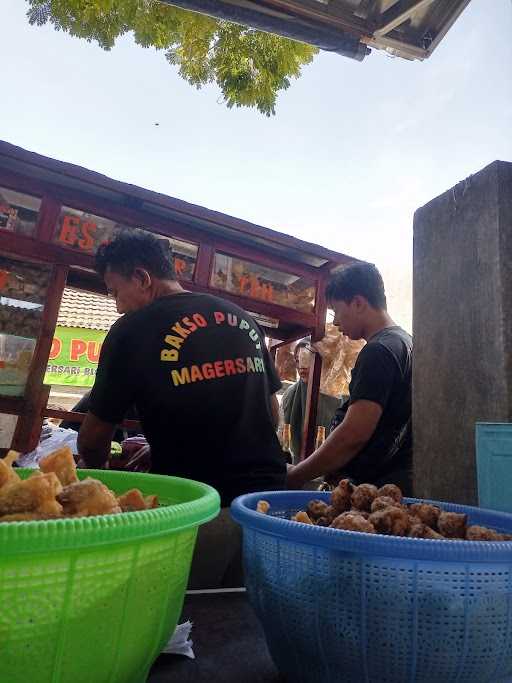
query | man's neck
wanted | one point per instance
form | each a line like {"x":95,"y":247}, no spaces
{"x":378,"y":322}
{"x":166,"y":288}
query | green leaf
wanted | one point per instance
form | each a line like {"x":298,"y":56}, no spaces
{"x":251,"y":68}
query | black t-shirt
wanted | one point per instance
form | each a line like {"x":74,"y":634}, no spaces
{"x":199,"y":374}
{"x":383,"y":374}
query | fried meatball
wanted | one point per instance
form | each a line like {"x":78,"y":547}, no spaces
{"x":393,"y":521}
{"x":429,"y":514}
{"x":363,"y":513}
{"x":363,"y":496}
{"x":452,"y":524}
{"x":383,"y":502}
{"x":482,"y":533}
{"x":331,"y":513}
{"x":340,"y":497}
{"x":262,"y":506}
{"x":349,"y":521}
{"x":316,"y":509}
{"x":302,"y":517}
{"x":420,"y":530}
{"x":391,"y":491}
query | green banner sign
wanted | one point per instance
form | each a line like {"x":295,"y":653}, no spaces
{"x":74,"y":356}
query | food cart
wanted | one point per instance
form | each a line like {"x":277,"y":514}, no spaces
{"x":53,"y":217}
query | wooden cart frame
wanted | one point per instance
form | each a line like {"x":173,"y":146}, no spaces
{"x":60,"y":184}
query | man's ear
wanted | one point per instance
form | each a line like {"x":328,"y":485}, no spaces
{"x":143,"y":277}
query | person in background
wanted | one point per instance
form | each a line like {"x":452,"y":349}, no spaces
{"x":370,"y":439}
{"x":198,"y":372}
{"x":293,"y":402}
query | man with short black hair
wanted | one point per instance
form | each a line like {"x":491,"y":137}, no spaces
{"x":370,"y":439}
{"x":195,"y":367}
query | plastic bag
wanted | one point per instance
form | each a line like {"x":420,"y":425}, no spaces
{"x":49,"y":443}
{"x":180,"y":643}
{"x":135,"y":456}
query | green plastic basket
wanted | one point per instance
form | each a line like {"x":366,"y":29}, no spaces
{"x":95,"y":599}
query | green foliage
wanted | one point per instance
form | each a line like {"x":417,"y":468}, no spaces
{"x":249,"y":66}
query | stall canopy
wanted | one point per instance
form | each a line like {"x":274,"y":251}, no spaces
{"x":54,"y":216}
{"x":410,"y":29}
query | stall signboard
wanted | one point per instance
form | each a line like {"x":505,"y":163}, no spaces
{"x":74,"y":356}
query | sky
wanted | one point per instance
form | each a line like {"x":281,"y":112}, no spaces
{"x":353,"y":150}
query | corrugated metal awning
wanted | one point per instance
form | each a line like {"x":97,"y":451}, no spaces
{"x":410,"y":29}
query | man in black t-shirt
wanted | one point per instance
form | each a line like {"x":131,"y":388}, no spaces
{"x":370,"y":439}
{"x":195,"y":367}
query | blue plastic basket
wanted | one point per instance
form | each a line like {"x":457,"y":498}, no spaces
{"x":352,"y":607}
{"x":494,"y":465}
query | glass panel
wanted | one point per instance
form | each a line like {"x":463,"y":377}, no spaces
{"x":185,"y":257}
{"x":258,"y":282}
{"x":23,"y":289}
{"x":7,"y":427}
{"x":15,"y":357}
{"x":27,"y":282}
{"x":85,"y":232}
{"x":18,"y":212}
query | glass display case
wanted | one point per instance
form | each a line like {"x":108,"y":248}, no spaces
{"x":7,"y":428}
{"x":18,"y":212}
{"x":84,"y":232}
{"x":23,"y":288}
{"x":257,"y":281}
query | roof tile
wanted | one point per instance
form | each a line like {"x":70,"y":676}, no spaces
{"x":84,"y":309}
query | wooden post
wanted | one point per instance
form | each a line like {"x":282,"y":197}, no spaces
{"x":48,"y":216}
{"x":204,"y":265}
{"x":28,"y":429}
{"x":315,"y":371}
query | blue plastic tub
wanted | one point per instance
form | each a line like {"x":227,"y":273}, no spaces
{"x":494,"y":465}
{"x":339,"y":606}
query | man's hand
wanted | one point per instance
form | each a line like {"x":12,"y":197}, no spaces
{"x":341,"y":446}
{"x":94,"y":440}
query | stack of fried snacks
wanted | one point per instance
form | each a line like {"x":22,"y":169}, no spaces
{"x":55,"y":491}
{"x":368,"y":509}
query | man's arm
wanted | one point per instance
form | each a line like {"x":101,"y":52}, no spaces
{"x":94,"y":439}
{"x":110,"y":397}
{"x":343,"y":444}
{"x":274,"y":406}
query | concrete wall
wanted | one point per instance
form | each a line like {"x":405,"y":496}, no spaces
{"x":462,"y":325}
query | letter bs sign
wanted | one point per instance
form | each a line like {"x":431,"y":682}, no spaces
{"x":78,"y":232}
